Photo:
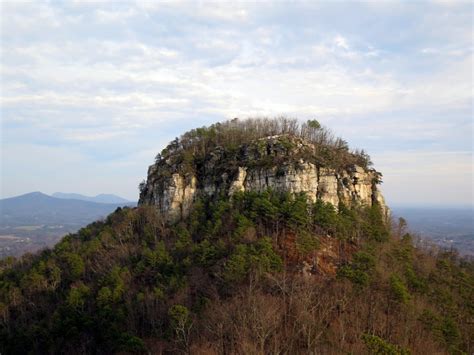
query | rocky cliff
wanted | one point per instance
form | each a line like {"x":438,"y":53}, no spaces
{"x":284,"y":163}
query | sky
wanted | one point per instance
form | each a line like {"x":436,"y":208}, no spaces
{"x":91,"y":92}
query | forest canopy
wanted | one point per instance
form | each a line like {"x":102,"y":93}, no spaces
{"x":230,"y":135}
{"x":233,"y":277}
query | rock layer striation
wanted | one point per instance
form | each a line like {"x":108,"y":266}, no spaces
{"x":281,"y":163}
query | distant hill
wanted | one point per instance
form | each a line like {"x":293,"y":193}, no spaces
{"x":101,"y":198}
{"x":39,"y":208}
{"x":35,"y":220}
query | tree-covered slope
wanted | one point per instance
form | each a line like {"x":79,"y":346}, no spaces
{"x":262,"y":272}
{"x":279,"y":242}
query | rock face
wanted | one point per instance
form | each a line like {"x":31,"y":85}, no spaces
{"x":280,"y":163}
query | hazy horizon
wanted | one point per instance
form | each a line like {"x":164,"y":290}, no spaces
{"x":92,"y":92}
{"x":393,"y":206}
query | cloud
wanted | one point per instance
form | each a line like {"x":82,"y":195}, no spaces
{"x":79,"y":136}
{"x":104,"y":16}
{"x":341,"y":42}
{"x":114,"y":79}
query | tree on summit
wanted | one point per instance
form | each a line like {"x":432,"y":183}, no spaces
{"x":314,"y":124}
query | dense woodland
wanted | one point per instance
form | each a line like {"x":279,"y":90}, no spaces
{"x":227,"y":280}
{"x":256,"y":273}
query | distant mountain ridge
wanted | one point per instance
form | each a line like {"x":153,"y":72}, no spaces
{"x":35,"y":220}
{"x":39,"y":208}
{"x":101,"y":198}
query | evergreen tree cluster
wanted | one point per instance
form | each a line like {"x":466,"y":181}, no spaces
{"x":222,"y":281}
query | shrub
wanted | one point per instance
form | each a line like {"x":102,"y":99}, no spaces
{"x":259,"y":257}
{"x":398,"y":289}
{"x":77,"y":295}
{"x":306,"y":242}
{"x":376,"y":345}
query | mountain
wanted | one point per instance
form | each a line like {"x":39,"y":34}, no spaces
{"x":101,"y":198}
{"x":38,"y":208}
{"x":251,"y":237}
{"x":35,"y":220}
{"x":284,"y":161}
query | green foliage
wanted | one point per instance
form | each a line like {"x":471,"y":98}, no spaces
{"x":295,"y":211}
{"x":184,"y":240}
{"x":116,"y":281}
{"x":360,"y":270}
{"x":244,"y":226}
{"x":444,"y":328}
{"x":258,"y":257}
{"x":349,"y":225}
{"x":404,"y":252}
{"x":374,"y":225}
{"x":130,"y":343}
{"x":129,"y":281}
{"x":75,"y":265}
{"x":33,"y":282}
{"x":194,"y":148}
{"x":287,"y":144}
{"x":450,"y":332}
{"x":325,"y":215}
{"x":364,"y":260}
{"x":237,"y":266}
{"x":157,"y":258}
{"x":77,"y":295}
{"x":306,"y":242}
{"x":376,"y":345}
{"x":104,"y":296}
{"x":314,"y":124}
{"x":206,"y":253}
{"x":358,"y":277}
{"x":181,"y":323}
{"x":179,"y":316}
{"x":414,"y":281}
{"x":398,"y":289}
{"x":262,"y":207}
{"x":91,"y":247}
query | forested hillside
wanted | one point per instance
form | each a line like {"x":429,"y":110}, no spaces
{"x":279,"y":243}
{"x":231,"y":278}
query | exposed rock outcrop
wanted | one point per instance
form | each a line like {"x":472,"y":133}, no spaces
{"x":281,"y":163}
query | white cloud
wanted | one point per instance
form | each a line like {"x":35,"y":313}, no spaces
{"x":341,"y":42}
{"x":79,"y":136}
{"x":92,"y":75}
{"x":220,"y":11}
{"x":107,"y":16}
